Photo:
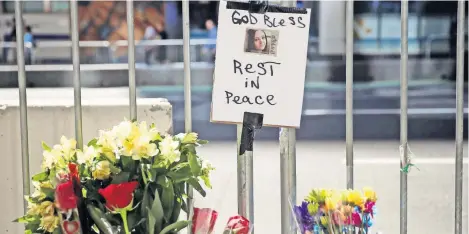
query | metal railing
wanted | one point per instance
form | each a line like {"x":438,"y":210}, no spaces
{"x":287,"y":135}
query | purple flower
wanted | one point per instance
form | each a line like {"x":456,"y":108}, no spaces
{"x":304,"y":218}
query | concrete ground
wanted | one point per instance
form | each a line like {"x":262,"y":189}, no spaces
{"x":321,"y":165}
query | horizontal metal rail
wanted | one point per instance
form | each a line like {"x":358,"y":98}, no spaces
{"x":395,"y":111}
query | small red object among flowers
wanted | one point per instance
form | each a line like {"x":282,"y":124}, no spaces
{"x":203,"y":220}
{"x":237,"y":225}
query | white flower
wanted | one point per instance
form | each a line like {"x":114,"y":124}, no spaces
{"x":107,"y":139}
{"x":50,"y":158}
{"x":88,"y":155}
{"x":67,"y":146}
{"x":169,"y":149}
{"x":124,"y":130}
{"x":142,"y":148}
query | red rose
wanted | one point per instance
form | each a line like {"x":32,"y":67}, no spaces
{"x":73,"y":168}
{"x":203,"y":220}
{"x":237,"y":224}
{"x":65,"y":196}
{"x":118,"y":196}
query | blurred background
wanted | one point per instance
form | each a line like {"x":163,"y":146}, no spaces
{"x":158,"y":31}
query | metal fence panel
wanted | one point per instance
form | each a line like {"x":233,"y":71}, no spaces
{"x":287,"y":136}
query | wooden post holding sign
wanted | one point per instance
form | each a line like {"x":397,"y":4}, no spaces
{"x":259,"y":76}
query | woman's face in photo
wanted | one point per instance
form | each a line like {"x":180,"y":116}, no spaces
{"x":259,"y":40}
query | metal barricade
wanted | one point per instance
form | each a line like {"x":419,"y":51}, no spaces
{"x":287,"y":136}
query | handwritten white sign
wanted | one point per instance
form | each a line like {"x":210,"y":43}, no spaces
{"x":260,"y":66}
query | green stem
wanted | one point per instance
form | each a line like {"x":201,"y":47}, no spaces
{"x":144,"y":175}
{"x":123,"y":214}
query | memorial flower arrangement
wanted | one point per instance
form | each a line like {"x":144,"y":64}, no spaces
{"x":336,"y":212}
{"x":130,"y":179}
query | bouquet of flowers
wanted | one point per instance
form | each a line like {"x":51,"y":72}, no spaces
{"x":336,"y":212}
{"x":130,"y":179}
{"x":204,"y":219}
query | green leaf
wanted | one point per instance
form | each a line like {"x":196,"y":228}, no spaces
{"x":99,"y":219}
{"x":41,"y":176}
{"x":121,"y":178}
{"x":146,"y":201}
{"x":93,"y":142}
{"x":181,"y":172}
{"x":206,"y":180}
{"x":45,"y":146}
{"x":176,"y":211}
{"x":28,"y":232}
{"x":195,"y":184}
{"x":156,"y":212}
{"x":134,"y":219}
{"x":202,"y":142}
{"x":50,"y":193}
{"x":167,"y":196}
{"x":175,"y":227}
{"x":195,"y":165}
{"x":151,"y":221}
{"x":24,"y":219}
{"x":128,"y":164}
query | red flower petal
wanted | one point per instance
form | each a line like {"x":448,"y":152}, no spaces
{"x":65,"y":196}
{"x":118,"y":195}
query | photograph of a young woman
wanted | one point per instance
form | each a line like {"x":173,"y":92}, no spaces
{"x":257,"y":41}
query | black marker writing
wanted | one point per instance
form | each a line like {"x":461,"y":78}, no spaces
{"x":254,"y":84}
{"x":239,"y":19}
{"x":258,"y":99}
{"x":262,"y":67}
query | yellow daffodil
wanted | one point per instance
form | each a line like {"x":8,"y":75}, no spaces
{"x":369,"y":194}
{"x":49,"y":223}
{"x":331,"y":203}
{"x":46,"y":208}
{"x":355,"y":197}
{"x":102,"y":170}
{"x":169,"y":150}
{"x":88,"y":155}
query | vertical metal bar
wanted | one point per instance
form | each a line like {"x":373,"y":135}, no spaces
{"x":246,"y":186}
{"x":187,"y":90}
{"x":22,"y":97}
{"x":131,"y":58}
{"x":459,"y":117}
{"x":76,"y":72}
{"x":403,"y":121}
{"x":288,"y":178}
{"x":287,"y":139}
{"x":349,"y":92}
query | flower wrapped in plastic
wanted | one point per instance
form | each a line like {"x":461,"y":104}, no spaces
{"x":204,"y":220}
{"x":130,"y":179}
{"x":336,"y":212}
